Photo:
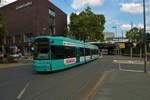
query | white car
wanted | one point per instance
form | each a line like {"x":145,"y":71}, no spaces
{"x":19,"y":55}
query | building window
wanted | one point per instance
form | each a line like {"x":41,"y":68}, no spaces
{"x":52,"y":13}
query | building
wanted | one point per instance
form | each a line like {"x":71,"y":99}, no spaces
{"x":26,"y":19}
{"x":109,"y":36}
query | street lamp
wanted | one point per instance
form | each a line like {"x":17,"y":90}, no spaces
{"x":145,"y":38}
{"x":115,"y":27}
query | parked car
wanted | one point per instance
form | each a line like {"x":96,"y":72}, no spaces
{"x":17,"y":55}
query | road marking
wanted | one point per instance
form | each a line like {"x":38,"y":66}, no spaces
{"x":100,"y":57}
{"x":98,"y":84}
{"x":23,"y":91}
{"x":139,"y":62}
{"x":115,"y":61}
{"x":119,"y":66}
{"x":138,"y":71}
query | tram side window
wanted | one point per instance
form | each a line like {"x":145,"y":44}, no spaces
{"x":92,"y":51}
{"x":81,"y":51}
{"x":57,"y":52}
{"x":42,"y":53}
{"x":69,"y":52}
{"x":95,"y":51}
{"x":62,"y":52}
{"x":87,"y":51}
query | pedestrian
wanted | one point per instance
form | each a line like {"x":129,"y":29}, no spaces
{"x":1,"y":56}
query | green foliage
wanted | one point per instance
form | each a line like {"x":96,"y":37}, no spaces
{"x":11,"y":59}
{"x":8,"y":60}
{"x":87,"y":25}
{"x":135,"y":35}
{"x":66,"y":32}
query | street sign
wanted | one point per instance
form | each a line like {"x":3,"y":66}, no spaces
{"x":121,"y":45}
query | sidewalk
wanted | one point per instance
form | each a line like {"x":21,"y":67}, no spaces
{"x":125,"y":86}
{"x":21,"y":62}
{"x":12,"y":65}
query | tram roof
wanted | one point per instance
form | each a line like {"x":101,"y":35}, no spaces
{"x":65,"y":39}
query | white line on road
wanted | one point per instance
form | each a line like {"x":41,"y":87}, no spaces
{"x":23,"y":91}
{"x":138,"y":71}
{"x":129,"y":62}
{"x":98,"y":84}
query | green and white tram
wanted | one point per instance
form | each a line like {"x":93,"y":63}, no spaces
{"x":56,"y":53}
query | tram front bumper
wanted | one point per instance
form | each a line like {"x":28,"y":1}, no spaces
{"x":42,"y":66}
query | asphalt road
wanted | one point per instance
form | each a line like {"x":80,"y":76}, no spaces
{"x":71,"y":84}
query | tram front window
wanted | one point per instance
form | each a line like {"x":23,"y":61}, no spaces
{"x":41,"y":49}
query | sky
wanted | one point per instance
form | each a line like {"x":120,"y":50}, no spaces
{"x":119,"y":14}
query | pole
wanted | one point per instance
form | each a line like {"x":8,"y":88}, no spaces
{"x":84,"y":49}
{"x":121,"y":51}
{"x":116,"y":38}
{"x":131,"y":50}
{"x":145,"y":38}
{"x":140,"y":52}
{"x":122,"y":36}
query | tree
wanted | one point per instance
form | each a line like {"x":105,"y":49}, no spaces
{"x":74,"y":24}
{"x":137,"y":36}
{"x":66,"y":32}
{"x":87,"y":25}
{"x":134,"y":34}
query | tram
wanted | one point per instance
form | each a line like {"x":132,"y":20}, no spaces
{"x":56,"y":53}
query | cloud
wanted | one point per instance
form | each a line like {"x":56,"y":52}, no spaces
{"x":68,"y":18}
{"x":5,"y":2}
{"x":77,"y":4}
{"x":125,"y":26}
{"x":132,"y":7}
{"x":128,"y":26}
{"x":142,"y":26}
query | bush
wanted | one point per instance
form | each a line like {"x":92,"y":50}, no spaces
{"x":2,"y":61}
{"x":11,"y":60}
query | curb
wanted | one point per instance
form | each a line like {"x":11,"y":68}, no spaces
{"x":13,"y":65}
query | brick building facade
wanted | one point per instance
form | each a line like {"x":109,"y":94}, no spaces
{"x":26,"y":19}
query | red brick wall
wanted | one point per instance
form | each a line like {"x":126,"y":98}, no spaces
{"x":33,"y":18}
